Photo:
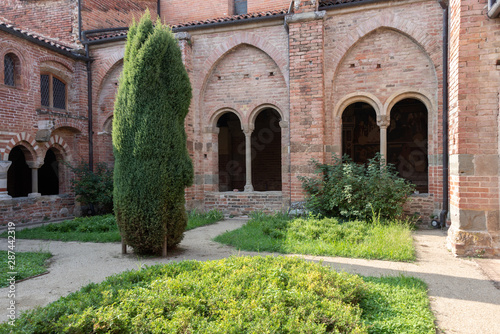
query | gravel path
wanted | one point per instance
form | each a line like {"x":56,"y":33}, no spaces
{"x":463,"y":298}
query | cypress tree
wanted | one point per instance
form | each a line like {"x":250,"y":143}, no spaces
{"x":152,"y":164}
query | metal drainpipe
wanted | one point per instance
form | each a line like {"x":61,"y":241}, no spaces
{"x":158,"y":9}
{"x":80,"y":20}
{"x":89,"y":98}
{"x":444,"y":212}
{"x":289,"y":112}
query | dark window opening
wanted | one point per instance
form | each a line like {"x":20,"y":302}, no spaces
{"x":407,"y":142}
{"x":9,"y":70}
{"x":48,"y":175}
{"x":19,"y":174}
{"x":52,"y":92}
{"x":360,"y":132}
{"x":266,"y":152}
{"x":240,"y":7}
{"x":231,"y":153}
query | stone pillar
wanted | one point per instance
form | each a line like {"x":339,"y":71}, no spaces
{"x":248,"y":158}
{"x":4,"y":167}
{"x":383,"y":122}
{"x":34,"y":179}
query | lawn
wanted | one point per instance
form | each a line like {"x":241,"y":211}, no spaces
{"x":26,"y":264}
{"x":253,"y":295}
{"x":326,"y":236}
{"x":100,"y":228}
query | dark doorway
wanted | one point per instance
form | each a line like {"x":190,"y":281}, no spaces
{"x":231,"y":153}
{"x":407,"y":142}
{"x":48,"y":175}
{"x":19,"y":174}
{"x":360,"y":132}
{"x":266,"y":151}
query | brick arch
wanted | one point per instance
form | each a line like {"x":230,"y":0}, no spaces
{"x":106,"y":67}
{"x":27,"y":141}
{"x":235,"y":41}
{"x":63,"y":62}
{"x":258,"y":108}
{"x":69,"y":123}
{"x":391,"y":22}
{"x":108,"y":119}
{"x":6,"y":48}
{"x":416,"y":95}
{"x":219,"y":112}
{"x":59,"y":143}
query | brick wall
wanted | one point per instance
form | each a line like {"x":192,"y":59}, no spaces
{"x":241,"y":203}
{"x":21,"y":116}
{"x":26,"y":210}
{"x":51,"y":18}
{"x":474,"y":77}
{"x":98,"y":14}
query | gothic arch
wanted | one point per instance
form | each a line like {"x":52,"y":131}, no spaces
{"x":235,"y":41}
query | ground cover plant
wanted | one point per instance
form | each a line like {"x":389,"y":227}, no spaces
{"x":27,"y":264}
{"x":237,"y":295}
{"x":323,"y":236}
{"x":100,"y":228}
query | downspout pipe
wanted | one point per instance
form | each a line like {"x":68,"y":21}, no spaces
{"x":444,"y":212}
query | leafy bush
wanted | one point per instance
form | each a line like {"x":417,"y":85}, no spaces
{"x":355,"y":191}
{"x":152,"y":164}
{"x":253,"y":295}
{"x":93,"y":189}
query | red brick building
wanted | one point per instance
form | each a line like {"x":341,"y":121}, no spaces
{"x":275,"y":84}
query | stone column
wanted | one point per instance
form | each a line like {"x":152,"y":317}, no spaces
{"x":34,"y":179}
{"x":383,"y":122}
{"x":4,"y":167}
{"x":248,"y":158}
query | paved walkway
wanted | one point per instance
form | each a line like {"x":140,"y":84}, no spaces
{"x":462,"y":291}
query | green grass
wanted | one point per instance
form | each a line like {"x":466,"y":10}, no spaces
{"x":253,"y":295}
{"x":327,"y":236}
{"x":26,"y":264}
{"x":99,"y":228}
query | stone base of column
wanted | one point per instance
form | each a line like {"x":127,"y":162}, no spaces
{"x":248,"y":188}
{"x":4,"y":196}
{"x":473,"y":243}
{"x":34,"y":195}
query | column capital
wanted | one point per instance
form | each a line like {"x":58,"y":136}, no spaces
{"x":383,"y":121}
{"x":34,"y":164}
{"x":212,"y":129}
{"x":247,"y":129}
{"x":4,"y":166}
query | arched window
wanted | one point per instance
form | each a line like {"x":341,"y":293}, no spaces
{"x":19,"y":174}
{"x":231,"y":153}
{"x":407,"y":142}
{"x":11,"y":70}
{"x":52,"y":91}
{"x":48,"y":175}
{"x":360,"y":132}
{"x":266,"y":152}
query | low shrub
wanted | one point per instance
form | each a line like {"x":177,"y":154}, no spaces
{"x":235,"y":295}
{"x":355,"y":191}
{"x":198,"y":218}
{"x":94,"y":189}
{"x":26,"y":264}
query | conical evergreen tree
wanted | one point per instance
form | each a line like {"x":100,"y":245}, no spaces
{"x":152,"y":164}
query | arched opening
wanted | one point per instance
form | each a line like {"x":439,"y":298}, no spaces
{"x":266,"y":151}
{"x":48,"y":175}
{"x":231,"y":153}
{"x":360,"y":132}
{"x":407,"y":142}
{"x":19,"y":174}
{"x":11,"y":72}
